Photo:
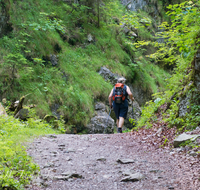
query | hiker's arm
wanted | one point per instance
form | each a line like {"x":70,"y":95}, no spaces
{"x":129,"y":93}
{"x":110,"y":98}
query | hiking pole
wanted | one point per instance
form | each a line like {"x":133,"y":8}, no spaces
{"x":107,"y":121}
{"x":132,"y":107}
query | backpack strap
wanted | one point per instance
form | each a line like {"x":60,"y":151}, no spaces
{"x":113,"y":94}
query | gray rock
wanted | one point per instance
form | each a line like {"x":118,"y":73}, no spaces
{"x":65,"y":178}
{"x":184,"y":105}
{"x":68,"y":175}
{"x":2,"y":110}
{"x":54,"y":60}
{"x":55,"y":106}
{"x":72,"y":174}
{"x":69,"y":150}
{"x":101,"y":122}
{"x":107,"y":176}
{"x":75,"y":175}
{"x":125,"y":161}
{"x":47,"y":165}
{"x":125,"y":28}
{"x":37,"y":181}
{"x":68,"y":159}
{"x":51,"y":136}
{"x":133,"y":34}
{"x":108,"y":75}
{"x":90,"y":38}
{"x":134,"y":113}
{"x":184,"y":137}
{"x":128,"y":172}
{"x":99,"y":106}
{"x":192,"y":153}
{"x":152,"y":7}
{"x":155,"y":171}
{"x":133,"y":177}
{"x":61,"y":145}
{"x":101,"y":159}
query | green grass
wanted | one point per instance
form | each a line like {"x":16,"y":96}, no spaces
{"x":16,"y":167}
{"x":74,"y":83}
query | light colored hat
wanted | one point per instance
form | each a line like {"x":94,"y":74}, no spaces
{"x":121,"y":80}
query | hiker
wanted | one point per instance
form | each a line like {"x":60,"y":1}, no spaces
{"x":120,"y":102}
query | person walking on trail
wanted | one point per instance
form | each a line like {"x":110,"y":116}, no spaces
{"x":119,"y":94}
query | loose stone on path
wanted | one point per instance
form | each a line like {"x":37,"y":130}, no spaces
{"x":134,"y":177}
{"x":125,"y":161}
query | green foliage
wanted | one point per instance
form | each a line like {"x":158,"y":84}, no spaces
{"x":57,"y":28}
{"x":148,"y":112}
{"x":181,"y":42}
{"x":48,"y":22}
{"x":16,"y":167}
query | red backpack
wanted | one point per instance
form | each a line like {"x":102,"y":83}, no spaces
{"x":119,"y":93}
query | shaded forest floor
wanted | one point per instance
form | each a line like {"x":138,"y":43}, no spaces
{"x":106,"y":162}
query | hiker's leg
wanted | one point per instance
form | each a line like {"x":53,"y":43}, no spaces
{"x":121,"y":122}
{"x":117,"y":122}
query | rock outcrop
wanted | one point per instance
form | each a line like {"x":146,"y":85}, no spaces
{"x":133,"y":115}
{"x":101,"y":122}
{"x":152,"y":7}
{"x":108,"y":75}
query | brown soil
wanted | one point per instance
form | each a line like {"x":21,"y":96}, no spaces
{"x":94,"y":157}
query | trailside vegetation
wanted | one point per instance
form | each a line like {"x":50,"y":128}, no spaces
{"x":181,"y":42}
{"x":16,"y":167}
{"x":47,"y":54}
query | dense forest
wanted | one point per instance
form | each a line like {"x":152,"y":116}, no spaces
{"x":52,"y":52}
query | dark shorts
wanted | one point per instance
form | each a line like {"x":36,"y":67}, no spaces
{"x":121,"y":109}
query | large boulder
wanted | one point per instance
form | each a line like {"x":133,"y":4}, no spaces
{"x":101,"y":122}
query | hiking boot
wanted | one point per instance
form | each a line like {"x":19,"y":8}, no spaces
{"x":119,"y":130}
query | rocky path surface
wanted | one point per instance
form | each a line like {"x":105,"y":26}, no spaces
{"x":108,"y":162}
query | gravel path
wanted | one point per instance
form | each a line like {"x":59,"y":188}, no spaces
{"x":94,"y":162}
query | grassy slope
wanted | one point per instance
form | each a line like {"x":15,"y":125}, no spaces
{"x":74,"y":83}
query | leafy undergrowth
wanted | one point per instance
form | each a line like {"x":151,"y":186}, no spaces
{"x":159,"y":135}
{"x":16,"y":167}
{"x":162,"y":135}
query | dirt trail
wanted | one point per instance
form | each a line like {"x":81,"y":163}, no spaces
{"x":89,"y":162}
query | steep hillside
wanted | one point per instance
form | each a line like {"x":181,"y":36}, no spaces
{"x":179,"y":105}
{"x":53,"y":51}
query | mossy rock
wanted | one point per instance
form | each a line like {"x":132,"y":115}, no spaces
{"x":52,"y":120}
